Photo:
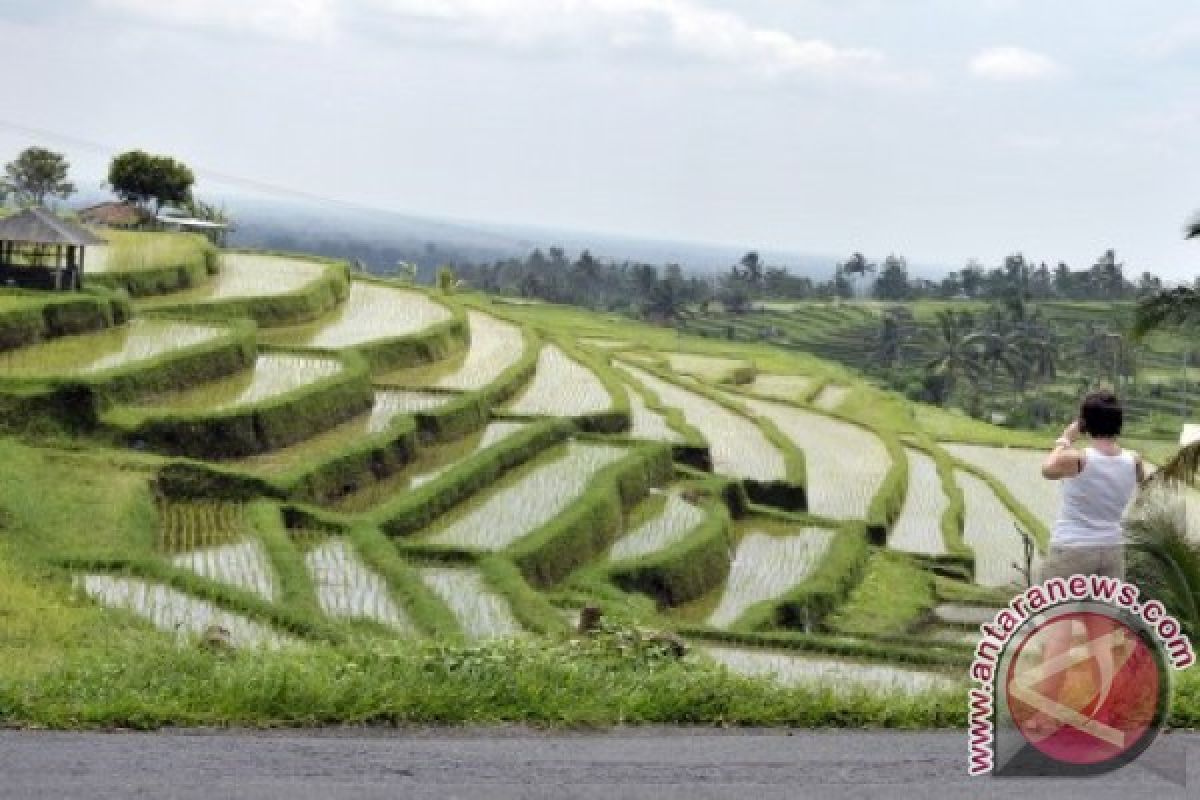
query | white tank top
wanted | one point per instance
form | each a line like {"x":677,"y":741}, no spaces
{"x":1094,"y":501}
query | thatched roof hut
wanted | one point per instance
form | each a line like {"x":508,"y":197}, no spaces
{"x":40,"y":250}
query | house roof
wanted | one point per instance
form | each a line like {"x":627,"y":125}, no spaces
{"x":112,"y":213}
{"x":39,"y":226}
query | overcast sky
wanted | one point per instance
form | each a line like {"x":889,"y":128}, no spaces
{"x":940,"y":129}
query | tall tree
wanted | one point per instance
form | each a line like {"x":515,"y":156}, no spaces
{"x":145,"y":179}
{"x":892,"y":283}
{"x":858,"y":266}
{"x":38,"y":173}
{"x":956,"y":356}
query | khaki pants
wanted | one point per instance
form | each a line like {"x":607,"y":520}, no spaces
{"x":1063,"y":562}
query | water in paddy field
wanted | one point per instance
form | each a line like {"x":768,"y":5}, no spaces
{"x":173,"y":611}
{"x":372,"y":313}
{"x":739,"y":448}
{"x":919,"y":527}
{"x":847,"y":464}
{"x":842,"y":677}
{"x":495,"y":346}
{"x":1020,"y":471}
{"x":990,"y":530}
{"x":766,"y":567}
{"x":139,"y":340}
{"x":522,"y":506}
{"x":347,"y":588}
{"x":711,"y":369}
{"x":246,"y":275}
{"x":671,"y":523}
{"x":244,"y":565}
{"x":273,"y":374}
{"x":561,"y":387}
{"x":646,"y":423}
{"x":481,"y":613}
{"x":831,"y":397}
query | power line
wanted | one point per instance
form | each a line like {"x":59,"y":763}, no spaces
{"x":216,"y":176}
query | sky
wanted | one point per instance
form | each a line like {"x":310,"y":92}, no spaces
{"x":942,"y":130}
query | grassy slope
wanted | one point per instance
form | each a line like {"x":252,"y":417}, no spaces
{"x":65,"y":662}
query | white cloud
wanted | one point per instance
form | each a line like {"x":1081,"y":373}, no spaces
{"x":679,"y":28}
{"x":305,"y":20}
{"x":1012,"y":64}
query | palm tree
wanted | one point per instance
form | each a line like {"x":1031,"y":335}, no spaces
{"x":1164,"y":561}
{"x":858,"y":265}
{"x":957,"y":356}
{"x":891,"y":340}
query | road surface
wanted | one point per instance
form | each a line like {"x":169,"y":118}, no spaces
{"x":504,"y":763}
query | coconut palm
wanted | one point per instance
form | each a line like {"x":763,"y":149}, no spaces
{"x":859,"y":266}
{"x":957,"y":357}
{"x":1164,"y":561}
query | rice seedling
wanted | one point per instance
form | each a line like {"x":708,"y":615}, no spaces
{"x":481,"y":613}
{"x":562,"y":388}
{"x":711,"y":369}
{"x":672,"y":519}
{"x":780,"y":387}
{"x":829,"y":398}
{"x":273,"y":374}
{"x":846,"y":464}
{"x":918,"y":528}
{"x":646,"y":423}
{"x":247,"y":275}
{"x":372,"y":312}
{"x":739,"y":448}
{"x":389,"y":403}
{"x":171,"y":610}
{"x":838,"y":676}
{"x":1021,"y":473}
{"x":348,"y":589}
{"x":495,"y":346}
{"x":244,"y":565}
{"x":766,"y":567}
{"x":517,"y":507}
{"x":990,"y":529}
{"x":90,"y":353}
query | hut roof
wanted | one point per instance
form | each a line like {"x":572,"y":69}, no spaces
{"x":113,"y":213}
{"x":39,"y":226}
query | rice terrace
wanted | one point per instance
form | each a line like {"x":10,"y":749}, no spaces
{"x":263,"y":488}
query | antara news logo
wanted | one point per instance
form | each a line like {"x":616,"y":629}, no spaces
{"x":1072,"y":679}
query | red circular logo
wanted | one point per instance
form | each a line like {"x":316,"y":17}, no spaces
{"x":1084,"y":688}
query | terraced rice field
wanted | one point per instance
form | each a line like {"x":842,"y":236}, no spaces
{"x":846,"y":463}
{"x":670,"y":519}
{"x":429,"y":464}
{"x":562,"y":388}
{"x":348,"y":589}
{"x":372,"y":313}
{"x":132,"y":252}
{"x":918,"y":529}
{"x":273,"y":374}
{"x":244,"y":565}
{"x":1021,"y":473}
{"x":495,"y":346}
{"x":246,"y":275}
{"x":389,"y":405}
{"x":766,"y":567}
{"x":780,"y":387}
{"x":647,"y":423}
{"x":710,"y":369}
{"x":989,"y":529}
{"x":89,"y":353}
{"x":481,"y":613}
{"x":739,"y":448}
{"x":831,"y":397}
{"x":171,"y":610}
{"x":841,"y":677}
{"x":519,"y":505}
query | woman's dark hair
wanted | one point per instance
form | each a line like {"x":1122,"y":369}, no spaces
{"x":1101,"y":414}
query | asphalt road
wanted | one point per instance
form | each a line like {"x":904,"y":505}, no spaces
{"x":498,"y":764}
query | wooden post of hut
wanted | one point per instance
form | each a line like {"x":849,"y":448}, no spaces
{"x":39,"y":250}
